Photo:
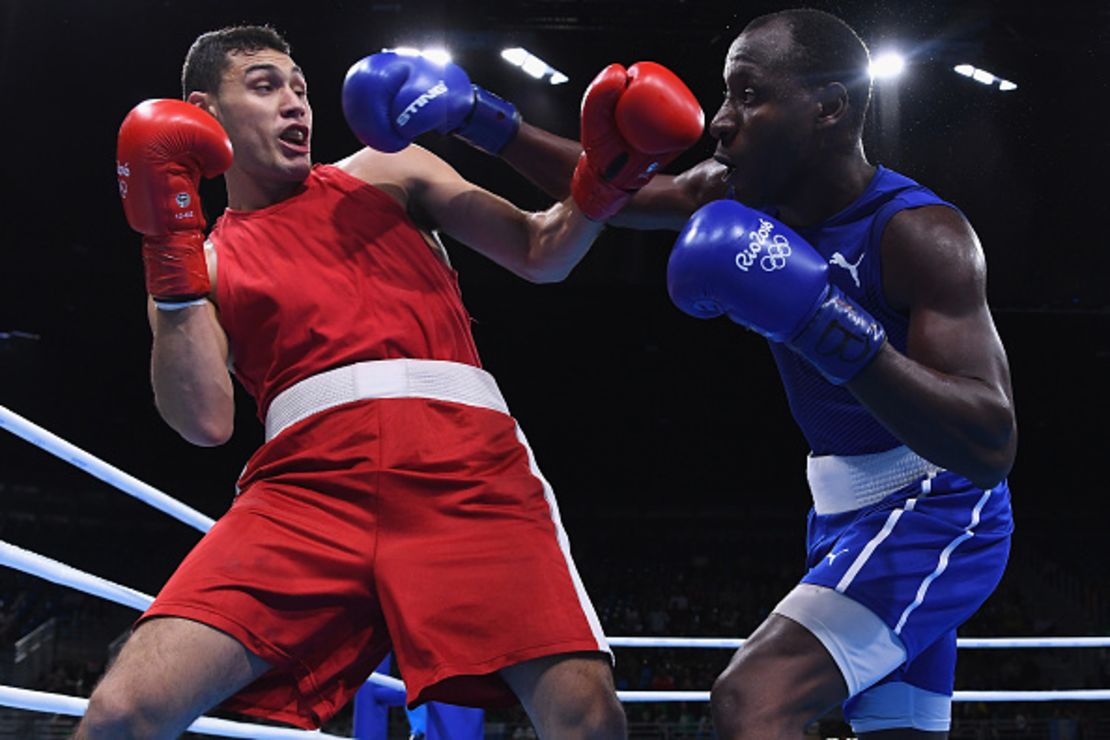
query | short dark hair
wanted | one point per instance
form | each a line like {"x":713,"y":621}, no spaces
{"x":826,"y":49}
{"x":207,"y":58}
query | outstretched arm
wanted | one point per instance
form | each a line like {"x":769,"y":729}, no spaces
{"x":634,"y":122}
{"x":544,"y":158}
{"x":541,"y":247}
{"x":666,"y":202}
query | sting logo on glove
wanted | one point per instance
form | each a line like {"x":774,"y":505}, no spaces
{"x":433,"y":92}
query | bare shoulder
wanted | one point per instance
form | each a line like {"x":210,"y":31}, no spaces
{"x":403,"y":174}
{"x":369,"y":165}
{"x":930,"y":253}
{"x":410,"y":164}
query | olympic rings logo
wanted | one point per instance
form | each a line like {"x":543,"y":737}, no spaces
{"x":777,"y":252}
{"x":770,"y":251}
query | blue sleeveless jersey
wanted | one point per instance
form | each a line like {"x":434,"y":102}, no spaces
{"x":830,"y":417}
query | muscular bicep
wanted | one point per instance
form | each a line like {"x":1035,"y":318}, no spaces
{"x":934,"y":269}
{"x":436,"y":197}
{"x":440,"y":198}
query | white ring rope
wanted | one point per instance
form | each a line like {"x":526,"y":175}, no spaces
{"x":388,"y":682}
{"x":978,"y":696}
{"x":97,"y":468}
{"x":967,"y":643}
{"x":75,"y":706}
{"x":66,"y":575}
{"x":52,"y":570}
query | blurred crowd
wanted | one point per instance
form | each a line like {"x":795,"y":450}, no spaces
{"x":650,"y":573}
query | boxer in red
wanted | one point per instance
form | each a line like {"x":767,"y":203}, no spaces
{"x":395,"y":504}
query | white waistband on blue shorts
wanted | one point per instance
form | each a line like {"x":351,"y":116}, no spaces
{"x":403,"y":378}
{"x":842,"y":483}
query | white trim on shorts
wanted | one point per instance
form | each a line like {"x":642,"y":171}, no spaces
{"x":864,"y":648}
{"x":842,"y":483}
{"x":891,"y":705}
{"x":942,"y":561}
{"x":435,"y":379}
{"x":401,"y":378}
{"x":564,"y":545}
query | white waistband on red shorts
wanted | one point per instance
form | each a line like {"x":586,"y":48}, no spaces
{"x":403,"y":378}
{"x":842,"y":483}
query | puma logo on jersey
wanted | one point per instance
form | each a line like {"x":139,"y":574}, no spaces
{"x":834,"y":555}
{"x":853,"y":269}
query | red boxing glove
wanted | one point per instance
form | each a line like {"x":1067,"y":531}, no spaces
{"x":633,"y":123}
{"x":164,"y":147}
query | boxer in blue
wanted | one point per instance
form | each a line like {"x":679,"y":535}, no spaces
{"x":872,"y":292}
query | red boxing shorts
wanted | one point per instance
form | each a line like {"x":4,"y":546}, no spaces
{"x":418,"y":525}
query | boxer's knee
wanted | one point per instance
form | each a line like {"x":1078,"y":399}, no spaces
{"x":594,"y":712}
{"x":114,"y":712}
{"x":168,"y":673}
{"x":570,"y":696}
{"x":741,"y":710}
{"x":777,"y":683}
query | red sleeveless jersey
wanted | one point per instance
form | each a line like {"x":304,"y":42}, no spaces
{"x":335,"y":274}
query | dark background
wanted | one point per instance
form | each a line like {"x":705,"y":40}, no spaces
{"x":630,"y":405}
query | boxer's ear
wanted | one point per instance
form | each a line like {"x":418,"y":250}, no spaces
{"x":833,"y":101}
{"x":202,"y":100}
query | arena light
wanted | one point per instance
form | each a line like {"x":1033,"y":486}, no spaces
{"x":438,"y":55}
{"x":532,"y":65}
{"x":887,"y":65}
{"x":984,"y":77}
{"x":515,"y":56}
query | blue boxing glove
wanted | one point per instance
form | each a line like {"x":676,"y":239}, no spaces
{"x":731,"y":259}
{"x":389,"y":99}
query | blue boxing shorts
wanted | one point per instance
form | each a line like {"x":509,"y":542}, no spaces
{"x":900,"y":554}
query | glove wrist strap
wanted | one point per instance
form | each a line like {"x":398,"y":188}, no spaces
{"x":841,"y":339}
{"x":492,"y":124}
{"x":175,"y":268}
{"x":596,"y":198}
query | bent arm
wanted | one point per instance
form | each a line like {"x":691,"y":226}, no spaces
{"x":541,"y":247}
{"x":547,"y":160}
{"x":949,"y":397}
{"x":188,"y":369}
{"x":666,"y":202}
